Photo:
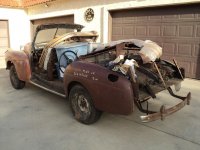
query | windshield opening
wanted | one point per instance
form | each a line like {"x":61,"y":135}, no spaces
{"x":44,"y":36}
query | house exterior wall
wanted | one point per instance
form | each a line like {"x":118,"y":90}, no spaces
{"x":18,"y":26}
{"x":19,"y":19}
{"x":100,"y":23}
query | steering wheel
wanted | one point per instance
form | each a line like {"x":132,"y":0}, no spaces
{"x":67,"y":57}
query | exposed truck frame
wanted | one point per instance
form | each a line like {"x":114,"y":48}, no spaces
{"x":89,"y":83}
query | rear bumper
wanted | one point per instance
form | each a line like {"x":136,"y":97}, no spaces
{"x":166,"y":112}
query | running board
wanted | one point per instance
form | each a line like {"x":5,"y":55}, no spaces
{"x":46,"y":89}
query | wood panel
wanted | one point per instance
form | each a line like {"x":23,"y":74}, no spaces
{"x":4,"y":36}
{"x":175,"y":28}
{"x":60,"y":19}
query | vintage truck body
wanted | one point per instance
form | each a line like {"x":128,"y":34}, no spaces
{"x":94,"y":77}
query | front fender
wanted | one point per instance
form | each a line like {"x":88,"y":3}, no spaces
{"x":110,"y":91}
{"x":21,"y":63}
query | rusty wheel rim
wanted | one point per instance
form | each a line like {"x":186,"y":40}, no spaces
{"x":81,"y":106}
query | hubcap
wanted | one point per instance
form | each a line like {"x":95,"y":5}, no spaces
{"x":83,"y":104}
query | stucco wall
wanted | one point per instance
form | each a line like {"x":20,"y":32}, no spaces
{"x":101,"y":9}
{"x":19,"y":26}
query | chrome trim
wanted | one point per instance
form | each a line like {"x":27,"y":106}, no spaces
{"x":46,"y":89}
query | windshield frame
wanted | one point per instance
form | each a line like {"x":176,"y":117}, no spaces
{"x":76,"y":27}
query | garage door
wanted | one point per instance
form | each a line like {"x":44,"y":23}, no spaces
{"x":61,"y":19}
{"x":175,"y":28}
{"x":4,"y":38}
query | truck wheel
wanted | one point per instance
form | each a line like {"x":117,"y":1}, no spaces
{"x":15,"y":81}
{"x":82,"y":106}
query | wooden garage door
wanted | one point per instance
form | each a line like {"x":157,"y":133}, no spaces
{"x":175,"y":28}
{"x":61,"y":19}
{"x":4,"y":38}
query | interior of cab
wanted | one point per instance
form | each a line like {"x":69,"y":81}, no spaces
{"x":54,"y":68}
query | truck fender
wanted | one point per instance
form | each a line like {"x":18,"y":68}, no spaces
{"x":110,"y":91}
{"x":21,"y":62}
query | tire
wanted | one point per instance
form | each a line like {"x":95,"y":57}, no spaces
{"x":82,"y":105}
{"x":15,"y":81}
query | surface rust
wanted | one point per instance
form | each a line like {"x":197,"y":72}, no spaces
{"x":115,"y":97}
{"x":21,"y":63}
{"x":111,"y":90}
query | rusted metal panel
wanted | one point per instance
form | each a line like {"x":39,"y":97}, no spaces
{"x":109,"y":96}
{"x":21,"y":62}
{"x":166,"y":112}
{"x":115,"y":77}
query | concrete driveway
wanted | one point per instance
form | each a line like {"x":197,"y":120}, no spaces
{"x":33,"y":119}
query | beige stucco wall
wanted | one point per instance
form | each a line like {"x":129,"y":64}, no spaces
{"x":101,"y":9}
{"x":19,"y":26}
{"x":19,"y":19}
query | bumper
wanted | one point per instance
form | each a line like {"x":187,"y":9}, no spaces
{"x":166,"y":112}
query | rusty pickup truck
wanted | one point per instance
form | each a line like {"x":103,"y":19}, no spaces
{"x":116,"y":77}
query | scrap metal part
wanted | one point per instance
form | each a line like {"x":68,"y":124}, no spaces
{"x":166,"y":112}
{"x":176,"y":64}
{"x":160,"y":75}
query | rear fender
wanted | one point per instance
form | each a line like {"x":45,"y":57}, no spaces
{"x":110,"y":91}
{"x":21,"y":62}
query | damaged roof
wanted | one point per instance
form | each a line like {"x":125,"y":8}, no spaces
{"x":22,"y":3}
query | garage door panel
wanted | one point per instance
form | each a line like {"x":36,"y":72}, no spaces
{"x":187,"y":16}
{"x":3,"y":24}
{"x":169,"y":49}
{"x":197,"y":50}
{"x":156,"y":18}
{"x":175,"y":28}
{"x":114,"y":38}
{"x":154,"y":30}
{"x":184,"y":49}
{"x":4,"y":42}
{"x":198,"y":31}
{"x":129,"y":30}
{"x":3,"y":33}
{"x":186,"y":30}
{"x":196,"y":72}
{"x":169,"y":30}
{"x":60,"y":19}
{"x":169,"y":18}
{"x":127,"y":20}
{"x":117,"y":21}
{"x":118,"y":30}
{"x":142,"y":18}
{"x":4,"y":37}
{"x":141,"y":31}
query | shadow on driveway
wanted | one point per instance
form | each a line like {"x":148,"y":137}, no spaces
{"x":34,"y":119}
